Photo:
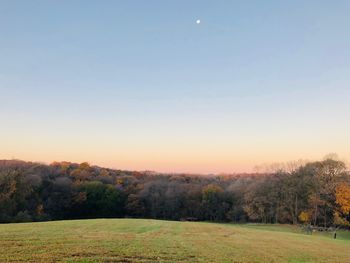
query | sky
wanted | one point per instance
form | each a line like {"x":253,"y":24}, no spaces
{"x":140,"y":85}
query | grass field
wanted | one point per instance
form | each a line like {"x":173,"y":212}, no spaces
{"x":137,"y":240}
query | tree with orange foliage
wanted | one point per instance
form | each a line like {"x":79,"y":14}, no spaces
{"x":305,"y":216}
{"x":342,"y":194}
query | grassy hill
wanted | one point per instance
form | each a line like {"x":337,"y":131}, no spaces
{"x":138,"y":240}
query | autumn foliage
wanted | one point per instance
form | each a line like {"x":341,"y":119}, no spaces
{"x":317,"y":193}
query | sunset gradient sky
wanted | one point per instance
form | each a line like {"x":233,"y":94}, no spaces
{"x":140,"y":85}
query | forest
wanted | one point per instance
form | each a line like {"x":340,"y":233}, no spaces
{"x":316,"y":193}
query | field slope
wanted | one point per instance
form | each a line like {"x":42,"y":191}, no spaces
{"x":137,"y":240}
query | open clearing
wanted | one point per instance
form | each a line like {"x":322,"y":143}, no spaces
{"x":140,"y":240}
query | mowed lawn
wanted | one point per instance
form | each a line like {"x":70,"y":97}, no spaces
{"x":138,"y":240}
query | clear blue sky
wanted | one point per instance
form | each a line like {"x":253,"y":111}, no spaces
{"x":140,"y":85}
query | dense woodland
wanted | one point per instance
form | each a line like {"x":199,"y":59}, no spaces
{"x":317,"y":193}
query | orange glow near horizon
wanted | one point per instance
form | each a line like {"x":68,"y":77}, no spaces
{"x":188,"y":149}
{"x":177,"y":161}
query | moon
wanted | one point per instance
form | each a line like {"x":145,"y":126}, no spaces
{"x":198,"y":21}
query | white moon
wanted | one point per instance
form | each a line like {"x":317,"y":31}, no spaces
{"x":198,"y":21}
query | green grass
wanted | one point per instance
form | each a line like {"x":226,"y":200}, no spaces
{"x":341,"y":235}
{"x":137,"y":240}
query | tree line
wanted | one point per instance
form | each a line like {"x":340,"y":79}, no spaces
{"x":316,"y":193}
